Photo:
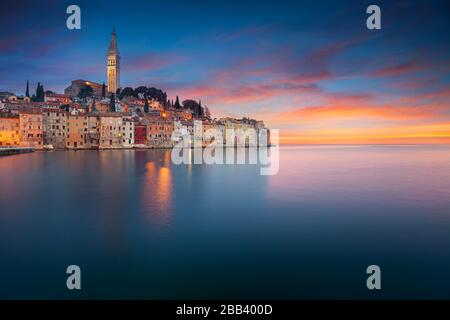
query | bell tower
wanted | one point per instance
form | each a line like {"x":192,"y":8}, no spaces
{"x":113,"y":64}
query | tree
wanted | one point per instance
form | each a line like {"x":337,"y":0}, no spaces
{"x":126,"y":92}
{"x":85,"y":91}
{"x":177,"y":104}
{"x":200,"y":112}
{"x":142,"y":90}
{"x":112,"y":103}
{"x":207,"y":113}
{"x":40,"y":95}
{"x":156,"y":94}
{"x":103,"y":91}
{"x":191,"y":104}
{"x":27,"y":92}
{"x":146,"y":107}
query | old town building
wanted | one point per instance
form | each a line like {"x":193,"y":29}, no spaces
{"x":159,"y":132}
{"x":9,"y":131}
{"x":31,"y":128}
{"x":92,"y":132}
{"x":127,"y":132}
{"x":54,"y":121}
{"x":110,"y":131}
{"x":140,"y":133}
{"x":76,"y":131}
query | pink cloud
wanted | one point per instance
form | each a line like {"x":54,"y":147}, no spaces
{"x":151,"y":61}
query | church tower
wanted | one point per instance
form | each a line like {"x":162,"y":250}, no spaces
{"x":113,"y":65}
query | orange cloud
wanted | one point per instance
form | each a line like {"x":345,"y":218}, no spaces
{"x":431,"y":133}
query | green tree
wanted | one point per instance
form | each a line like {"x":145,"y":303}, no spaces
{"x":112,"y":103}
{"x":85,"y":91}
{"x":141,"y":90}
{"x":39,"y":96}
{"x":126,"y":92}
{"x":156,"y":94}
{"x":27,"y":92}
{"x":103,"y":91}
{"x":177,"y":104}
{"x":146,"y":107}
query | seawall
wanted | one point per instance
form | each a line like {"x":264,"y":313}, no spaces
{"x":12,"y":150}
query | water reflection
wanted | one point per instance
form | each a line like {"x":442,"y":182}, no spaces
{"x":157,"y":190}
{"x":409,"y":175}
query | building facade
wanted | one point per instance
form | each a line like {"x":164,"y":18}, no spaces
{"x":92,"y":134}
{"x":31,"y":128}
{"x":127,"y":132}
{"x":140,"y":134}
{"x":159,"y":132}
{"x":110,"y":131}
{"x":54,"y":121}
{"x":76,"y":125}
{"x":74,"y":88}
{"x":9,"y":131}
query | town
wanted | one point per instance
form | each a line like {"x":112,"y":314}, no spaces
{"x":90,"y":115}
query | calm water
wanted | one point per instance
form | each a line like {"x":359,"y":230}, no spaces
{"x":140,"y":227}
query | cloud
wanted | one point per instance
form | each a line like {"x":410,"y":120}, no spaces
{"x":150,"y":61}
{"x":400,"y":69}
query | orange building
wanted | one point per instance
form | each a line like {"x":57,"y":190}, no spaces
{"x":76,"y":131}
{"x":31,"y":128}
{"x":9,"y":131}
{"x":159,"y":131}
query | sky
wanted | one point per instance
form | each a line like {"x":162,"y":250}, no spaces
{"x":309,"y":68}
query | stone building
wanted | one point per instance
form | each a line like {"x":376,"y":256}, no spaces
{"x":31,"y":128}
{"x":92,"y":132}
{"x":127,"y":132}
{"x":54,"y":121}
{"x":74,"y":88}
{"x":110,"y":131}
{"x":159,"y":132}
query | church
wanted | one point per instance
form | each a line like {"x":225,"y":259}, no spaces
{"x":112,"y":73}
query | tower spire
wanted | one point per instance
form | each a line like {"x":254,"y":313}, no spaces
{"x":113,"y":43}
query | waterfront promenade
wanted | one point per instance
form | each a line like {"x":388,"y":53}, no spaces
{"x":7,"y":151}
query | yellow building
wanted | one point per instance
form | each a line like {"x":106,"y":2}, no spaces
{"x":9,"y":131}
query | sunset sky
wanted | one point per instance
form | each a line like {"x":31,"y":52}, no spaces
{"x":310,"y":68}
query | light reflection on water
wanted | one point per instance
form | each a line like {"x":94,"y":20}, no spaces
{"x":225,"y":231}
